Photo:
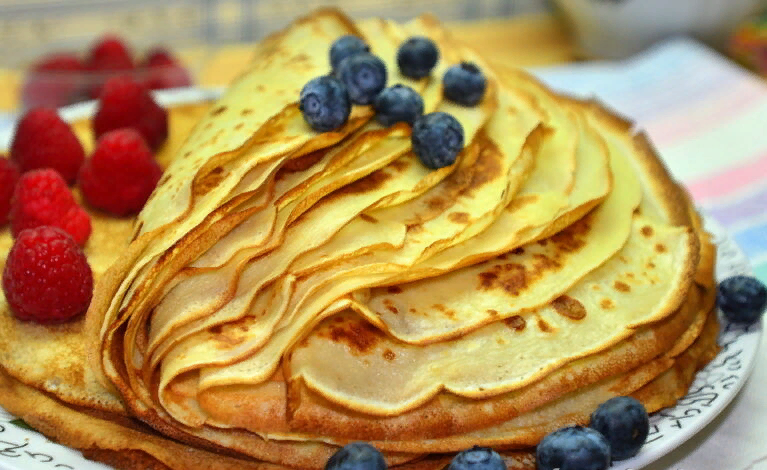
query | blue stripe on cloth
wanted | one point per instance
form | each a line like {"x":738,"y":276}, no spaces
{"x":761,"y":272}
{"x":753,"y":240}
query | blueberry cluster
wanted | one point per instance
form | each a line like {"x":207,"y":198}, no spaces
{"x":359,"y":77}
{"x":618,"y":429}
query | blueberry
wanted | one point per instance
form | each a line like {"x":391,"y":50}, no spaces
{"x":464,"y":84}
{"x":325,"y":104}
{"x":573,"y":448}
{"x":437,"y":139}
{"x":742,"y":299}
{"x":477,"y":458}
{"x":625,"y":424}
{"x":364,"y":76}
{"x":399,"y":103}
{"x":344,"y":47}
{"x":417,"y":56}
{"x":356,"y":456}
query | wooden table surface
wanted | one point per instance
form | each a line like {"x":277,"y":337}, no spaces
{"x":526,"y":40}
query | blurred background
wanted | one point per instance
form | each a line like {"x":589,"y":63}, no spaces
{"x":211,"y":39}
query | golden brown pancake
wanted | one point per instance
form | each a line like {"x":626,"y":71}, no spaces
{"x":285,"y":292}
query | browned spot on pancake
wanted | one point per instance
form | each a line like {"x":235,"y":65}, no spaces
{"x":543,"y":326}
{"x":502,"y":257}
{"x":661,"y":248}
{"x":367,"y":184}
{"x":544,"y":263}
{"x":449,"y":313}
{"x":394,"y":289}
{"x":400,"y":165}
{"x":390,"y":306}
{"x":569,"y":307}
{"x":303,"y":163}
{"x":260,"y":88}
{"x":543,"y":242}
{"x":359,"y":336}
{"x":647,"y":231}
{"x":368,"y":218}
{"x":239,"y":126}
{"x":515,"y":277}
{"x":487,"y":167}
{"x":459,"y":217}
{"x":520,"y":202}
{"x":227,"y":335}
{"x":518,"y":251}
{"x":630,"y":275}
{"x":216,"y":329}
{"x":301,"y":59}
{"x":492,"y":312}
{"x":414,"y":228}
{"x":246,"y":111}
{"x":500,"y":341}
{"x":606,"y":304}
{"x":437,"y":203}
{"x":187,"y":154}
{"x":209,"y":181}
{"x":487,"y":279}
{"x":208,"y":125}
{"x":623,"y":259}
{"x":412,"y":310}
{"x":621,"y":286}
{"x":516,"y":323}
{"x":596,"y":287}
{"x":389,"y":355}
{"x":218,"y":111}
{"x":650,"y":265}
{"x":164,"y":179}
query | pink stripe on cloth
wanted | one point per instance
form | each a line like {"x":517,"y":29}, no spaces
{"x":686,"y":122}
{"x":730,"y":180}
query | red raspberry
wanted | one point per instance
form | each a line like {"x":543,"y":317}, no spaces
{"x":121,"y":173}
{"x":110,"y":54}
{"x":59,"y":62}
{"x":43,"y":198}
{"x":127,"y":103}
{"x":165,"y":71}
{"x":9,"y":175}
{"x":159,"y":57}
{"x":47,"y":278}
{"x":43,"y":140}
{"x":54,"y":81}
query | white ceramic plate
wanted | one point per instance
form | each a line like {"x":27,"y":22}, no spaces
{"x":713,"y":389}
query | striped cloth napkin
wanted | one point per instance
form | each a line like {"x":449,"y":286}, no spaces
{"x":707,"y":117}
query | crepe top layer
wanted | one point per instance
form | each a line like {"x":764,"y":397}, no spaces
{"x":285,"y":228}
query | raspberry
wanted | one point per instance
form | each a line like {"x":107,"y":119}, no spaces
{"x":159,"y":57}
{"x":43,"y":198}
{"x":9,"y":175}
{"x":47,"y":278}
{"x":165,"y":71}
{"x":110,"y":54}
{"x":54,"y":81}
{"x":127,"y":103}
{"x":121,"y":173}
{"x":43,"y":140}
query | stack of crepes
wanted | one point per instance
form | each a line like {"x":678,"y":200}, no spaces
{"x":286,"y":291}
